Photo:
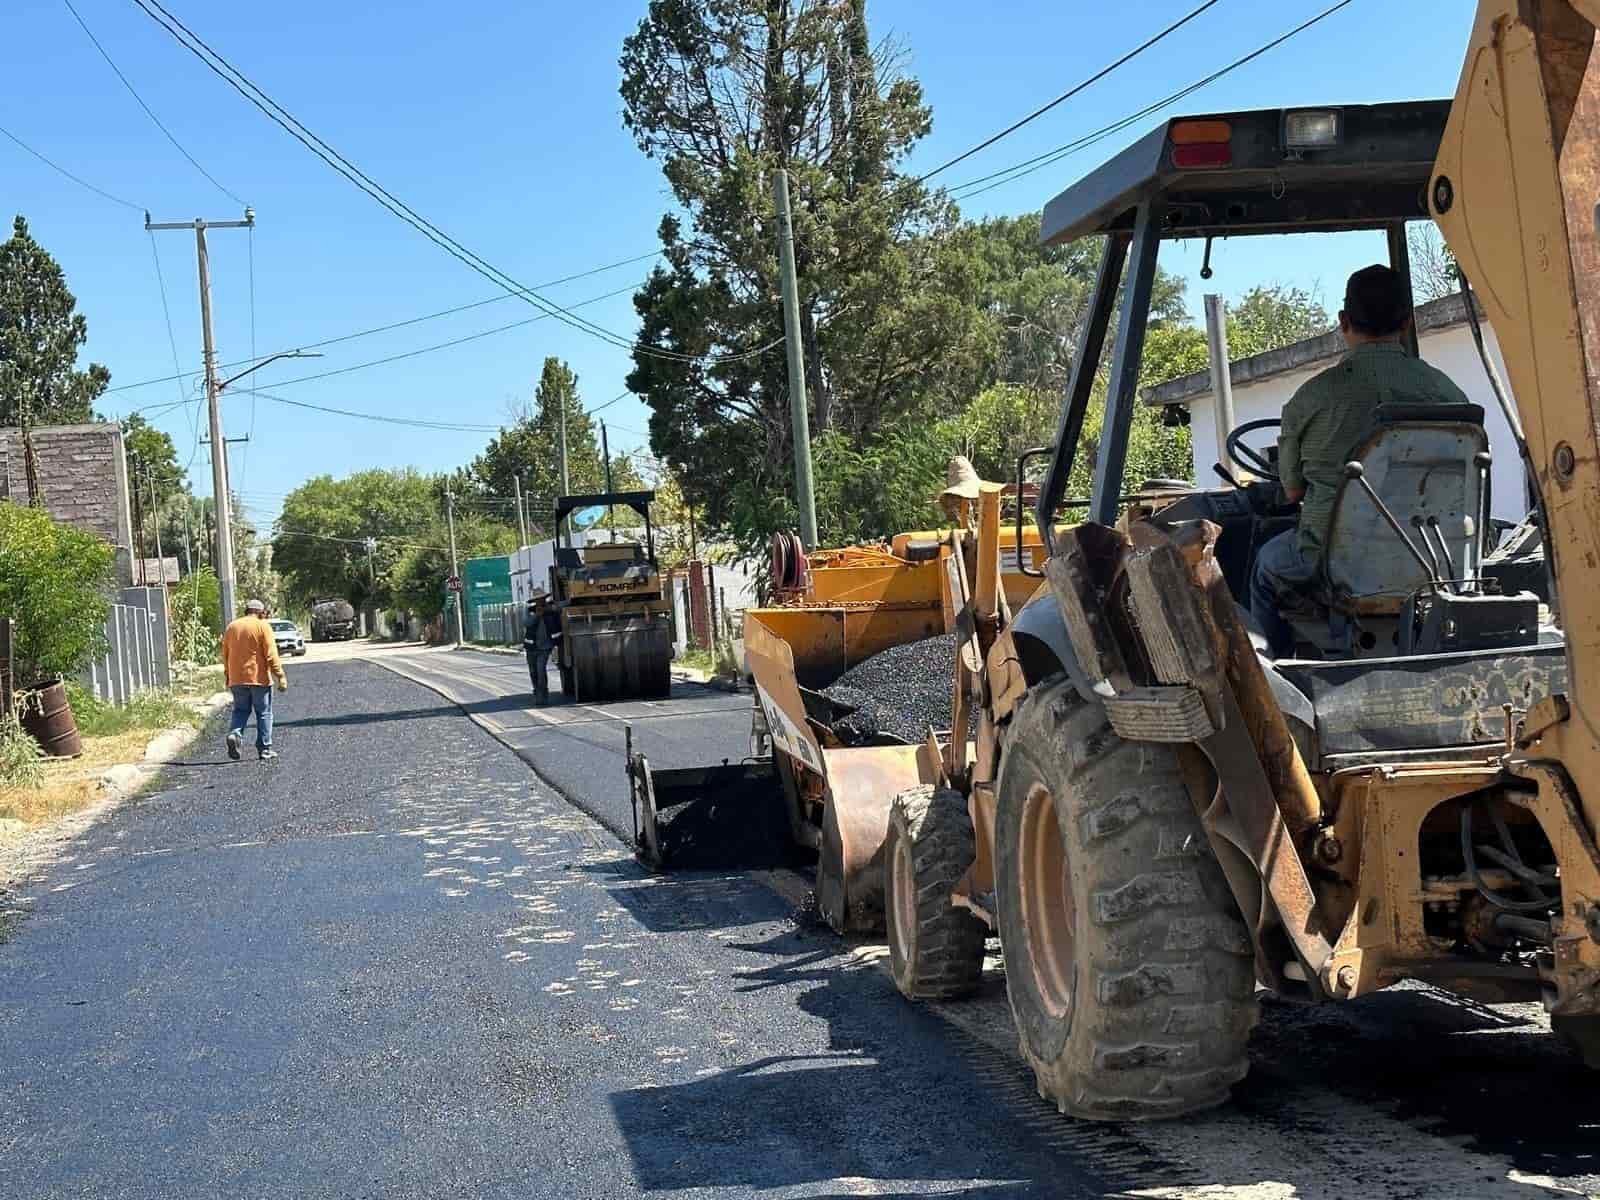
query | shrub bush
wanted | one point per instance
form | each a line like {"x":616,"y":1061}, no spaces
{"x":54,"y":584}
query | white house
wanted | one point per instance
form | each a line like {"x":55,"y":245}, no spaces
{"x":1263,"y":383}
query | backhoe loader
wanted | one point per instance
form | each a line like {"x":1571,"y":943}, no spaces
{"x":1157,"y":815}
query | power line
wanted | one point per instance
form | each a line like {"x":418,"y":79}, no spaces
{"x":333,"y":158}
{"x":976,"y":187}
{"x":1070,"y":92}
{"x":193,"y":162}
{"x":60,"y":170}
{"x":446,"y":312}
{"x":382,"y":419}
{"x":471,"y":337}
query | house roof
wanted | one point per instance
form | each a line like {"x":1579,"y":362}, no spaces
{"x":1443,"y":313}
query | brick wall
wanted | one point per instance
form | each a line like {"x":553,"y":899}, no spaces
{"x":84,"y":478}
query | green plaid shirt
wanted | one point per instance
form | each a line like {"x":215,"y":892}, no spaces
{"x":1324,"y":422}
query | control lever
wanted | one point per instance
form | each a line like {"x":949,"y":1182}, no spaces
{"x":1354,"y":471}
{"x":1482,"y":460}
{"x":1427,"y":546}
{"x":1447,"y":567}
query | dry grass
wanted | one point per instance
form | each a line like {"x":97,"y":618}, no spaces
{"x":73,"y":784}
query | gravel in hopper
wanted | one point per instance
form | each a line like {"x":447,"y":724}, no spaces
{"x":901,"y":691}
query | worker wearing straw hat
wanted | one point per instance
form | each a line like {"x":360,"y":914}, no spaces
{"x":960,"y":496}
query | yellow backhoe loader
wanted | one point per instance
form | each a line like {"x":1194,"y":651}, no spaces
{"x":1155,"y":814}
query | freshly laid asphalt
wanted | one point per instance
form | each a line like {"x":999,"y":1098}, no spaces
{"x":396,"y":962}
{"x":393,"y":964}
{"x":578,"y":748}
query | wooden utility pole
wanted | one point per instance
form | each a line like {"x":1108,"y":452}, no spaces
{"x":455,"y":567}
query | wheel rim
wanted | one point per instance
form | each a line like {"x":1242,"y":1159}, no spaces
{"x":903,"y":899}
{"x":1046,"y":895}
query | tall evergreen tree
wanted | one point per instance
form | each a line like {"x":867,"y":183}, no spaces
{"x":41,"y":332}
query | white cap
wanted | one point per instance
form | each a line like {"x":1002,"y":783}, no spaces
{"x":254,"y":606}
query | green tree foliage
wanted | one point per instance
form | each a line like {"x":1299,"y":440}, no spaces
{"x":40,"y":334}
{"x":319,"y":549}
{"x":196,"y":617}
{"x":418,"y":577}
{"x":153,"y":458}
{"x":722,"y":92}
{"x":54,"y":583}
{"x":1265,"y":318}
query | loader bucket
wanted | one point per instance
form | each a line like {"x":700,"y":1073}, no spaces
{"x":815,"y":645}
{"x":862,"y":785}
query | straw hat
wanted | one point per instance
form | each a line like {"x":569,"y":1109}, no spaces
{"x":961,"y":480}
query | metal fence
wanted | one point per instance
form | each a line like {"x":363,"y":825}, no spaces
{"x":498,"y":624}
{"x":138,"y":656}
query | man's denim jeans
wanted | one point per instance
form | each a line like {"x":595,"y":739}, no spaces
{"x":248,"y":698}
{"x":1279,"y":569}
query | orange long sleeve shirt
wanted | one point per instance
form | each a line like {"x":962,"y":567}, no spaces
{"x":250,"y":653}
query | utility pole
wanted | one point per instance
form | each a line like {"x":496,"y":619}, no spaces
{"x":605,"y":457}
{"x":805,"y":492}
{"x":155,"y":523}
{"x":566,"y":487}
{"x":522,"y":520}
{"x":221,"y":497}
{"x":455,"y":567}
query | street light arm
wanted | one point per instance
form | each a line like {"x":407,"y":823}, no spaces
{"x":265,"y":361}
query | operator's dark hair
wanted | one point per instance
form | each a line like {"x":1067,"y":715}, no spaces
{"x":1375,"y":301}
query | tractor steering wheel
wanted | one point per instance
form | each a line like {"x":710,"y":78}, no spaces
{"x":1248,"y":457}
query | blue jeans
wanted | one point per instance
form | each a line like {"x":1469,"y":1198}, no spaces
{"x":1280,"y":570}
{"x":248,"y":698}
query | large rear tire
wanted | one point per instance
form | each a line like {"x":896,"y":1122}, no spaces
{"x":1129,"y":970}
{"x":935,"y":948}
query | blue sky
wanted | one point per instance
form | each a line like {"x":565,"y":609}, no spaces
{"x":501,"y":124}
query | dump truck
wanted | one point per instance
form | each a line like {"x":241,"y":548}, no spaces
{"x":332,"y":619}
{"x":616,"y":618}
{"x":1163,"y":815}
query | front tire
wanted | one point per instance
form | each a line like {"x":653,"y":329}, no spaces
{"x":1130,"y":973}
{"x":935,"y":948}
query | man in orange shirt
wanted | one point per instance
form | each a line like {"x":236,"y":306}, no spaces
{"x":250,"y":658}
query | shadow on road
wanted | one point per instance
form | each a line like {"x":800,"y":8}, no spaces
{"x":896,"y":1101}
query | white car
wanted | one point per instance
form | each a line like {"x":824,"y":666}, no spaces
{"x":287,"y":635}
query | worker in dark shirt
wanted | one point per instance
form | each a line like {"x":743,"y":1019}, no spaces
{"x":1323,"y":425}
{"x":541,"y":634}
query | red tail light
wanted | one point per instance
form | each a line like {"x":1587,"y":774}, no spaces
{"x":1202,"y":154}
{"x":1201,"y":144}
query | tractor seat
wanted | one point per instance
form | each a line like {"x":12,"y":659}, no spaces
{"x":1420,"y":459}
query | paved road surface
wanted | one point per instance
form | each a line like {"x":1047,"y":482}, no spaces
{"x":395,"y":964}
{"x":579,"y":747}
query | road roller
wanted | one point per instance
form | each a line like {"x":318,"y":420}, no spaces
{"x":616,"y":618}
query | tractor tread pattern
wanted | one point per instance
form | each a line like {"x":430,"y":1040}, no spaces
{"x":947,"y":961}
{"x":1165,"y":998}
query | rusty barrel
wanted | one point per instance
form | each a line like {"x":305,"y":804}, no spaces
{"x":48,"y":719}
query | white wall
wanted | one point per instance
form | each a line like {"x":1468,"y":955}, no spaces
{"x":1451,"y":349}
{"x":530,"y":567}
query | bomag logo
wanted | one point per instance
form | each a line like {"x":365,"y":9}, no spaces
{"x":621,"y":585}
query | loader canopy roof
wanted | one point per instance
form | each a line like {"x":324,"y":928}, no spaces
{"x":1276,"y":170}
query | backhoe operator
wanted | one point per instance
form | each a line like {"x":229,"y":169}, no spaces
{"x":1325,"y":422}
